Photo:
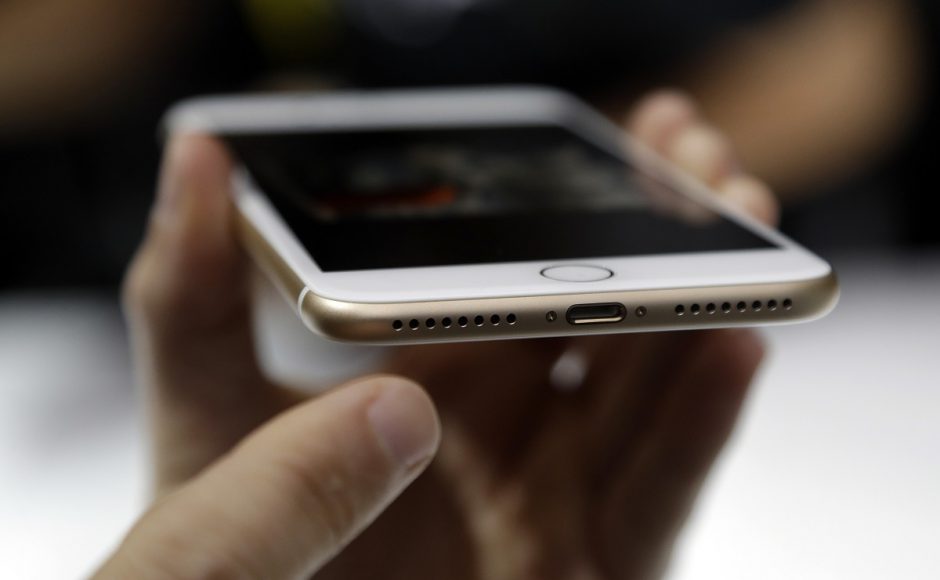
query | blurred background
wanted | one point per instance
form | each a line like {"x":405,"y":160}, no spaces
{"x":834,"y":472}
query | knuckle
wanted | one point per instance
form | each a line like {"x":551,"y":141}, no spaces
{"x":325,"y":495}
{"x":146,"y":293}
{"x":153,"y":289}
{"x":164,"y":548}
{"x":136,"y":289}
{"x":196,"y":564}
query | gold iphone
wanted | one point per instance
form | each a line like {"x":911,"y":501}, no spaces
{"x":474,"y":214}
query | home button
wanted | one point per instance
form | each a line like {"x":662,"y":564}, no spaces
{"x":577,"y":273}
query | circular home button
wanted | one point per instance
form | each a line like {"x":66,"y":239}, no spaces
{"x":579,"y":273}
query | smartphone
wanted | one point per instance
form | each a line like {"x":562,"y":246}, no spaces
{"x":416,"y":216}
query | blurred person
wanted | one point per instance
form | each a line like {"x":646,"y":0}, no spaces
{"x":808,"y":92}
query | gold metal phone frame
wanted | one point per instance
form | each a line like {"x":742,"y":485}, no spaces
{"x":541,"y":316}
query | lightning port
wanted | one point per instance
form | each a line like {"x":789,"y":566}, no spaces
{"x":596,"y":313}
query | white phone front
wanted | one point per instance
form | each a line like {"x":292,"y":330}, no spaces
{"x":447,"y":215}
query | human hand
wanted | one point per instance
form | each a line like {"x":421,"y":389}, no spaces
{"x":531,"y":482}
{"x":591,"y":483}
{"x":252,"y":481}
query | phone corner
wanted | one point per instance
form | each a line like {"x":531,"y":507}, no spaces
{"x":821,"y":295}
{"x":337,"y":320}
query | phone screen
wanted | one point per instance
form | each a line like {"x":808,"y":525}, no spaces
{"x":361,"y":200}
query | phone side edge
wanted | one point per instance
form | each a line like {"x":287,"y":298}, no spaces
{"x":285,"y":279}
{"x":544,"y":315}
{"x":647,"y":310}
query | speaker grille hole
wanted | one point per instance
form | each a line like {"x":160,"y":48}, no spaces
{"x":478,"y":320}
{"x":727,"y":307}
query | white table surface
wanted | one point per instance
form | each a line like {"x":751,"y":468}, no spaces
{"x":834,"y":472}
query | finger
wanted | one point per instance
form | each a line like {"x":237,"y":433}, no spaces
{"x":658,"y":118}
{"x":587,"y":426}
{"x":499,"y":413}
{"x":292,"y":495}
{"x":753,"y":196}
{"x":625,"y":385}
{"x":669,"y":122}
{"x":650,"y":498}
{"x":703,"y":152}
{"x":187,"y":300}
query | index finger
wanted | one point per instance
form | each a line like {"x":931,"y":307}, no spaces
{"x":187,"y":301}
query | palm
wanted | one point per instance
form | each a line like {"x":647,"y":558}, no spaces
{"x":535,"y":483}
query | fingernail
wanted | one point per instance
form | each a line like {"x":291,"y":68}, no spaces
{"x":404,"y":420}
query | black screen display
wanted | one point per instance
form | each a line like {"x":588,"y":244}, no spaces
{"x":408,"y":198}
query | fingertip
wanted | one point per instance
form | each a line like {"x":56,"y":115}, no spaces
{"x":753,"y":196}
{"x":404,"y":420}
{"x":193,"y":191}
{"x":197,"y":156}
{"x":660,"y":116}
{"x":702,"y":151}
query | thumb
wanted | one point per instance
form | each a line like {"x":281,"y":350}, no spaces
{"x":293,"y":493}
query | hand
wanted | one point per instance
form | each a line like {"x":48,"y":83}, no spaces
{"x":252,"y":481}
{"x":587,"y":484}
